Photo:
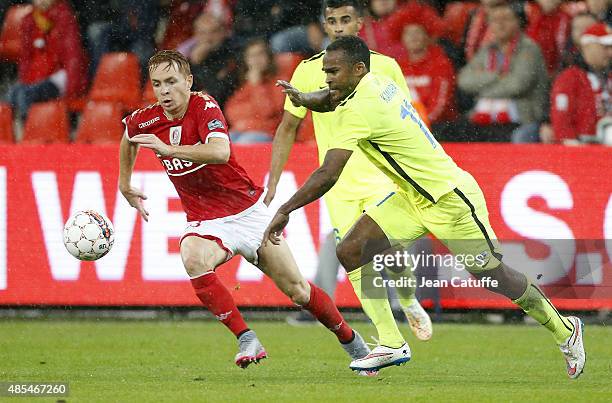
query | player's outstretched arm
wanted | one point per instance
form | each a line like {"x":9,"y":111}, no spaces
{"x":214,"y":151}
{"x":318,"y":101}
{"x":281,"y":147}
{"x":316,"y":186}
{"x":127,"y":158}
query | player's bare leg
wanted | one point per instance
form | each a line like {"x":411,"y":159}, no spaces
{"x":356,"y":252}
{"x":567,"y":331}
{"x":200,"y":257}
{"x":277,"y":262}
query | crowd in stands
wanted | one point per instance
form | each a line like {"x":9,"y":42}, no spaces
{"x":493,"y":70}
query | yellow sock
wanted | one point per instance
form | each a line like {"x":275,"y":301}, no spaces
{"x":375,"y":304}
{"x":535,"y":304}
{"x":405,"y":295}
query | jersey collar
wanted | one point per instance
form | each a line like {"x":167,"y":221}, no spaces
{"x":368,"y":77}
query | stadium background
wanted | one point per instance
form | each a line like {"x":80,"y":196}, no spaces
{"x":533,"y":191}
{"x":102,"y":327}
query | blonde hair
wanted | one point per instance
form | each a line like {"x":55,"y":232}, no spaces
{"x":172,"y":58}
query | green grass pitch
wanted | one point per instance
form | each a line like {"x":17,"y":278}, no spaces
{"x":176,"y":361}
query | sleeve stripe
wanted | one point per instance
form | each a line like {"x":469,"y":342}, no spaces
{"x":218,"y":135}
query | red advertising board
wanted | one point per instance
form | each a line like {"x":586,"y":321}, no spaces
{"x":533,"y":192}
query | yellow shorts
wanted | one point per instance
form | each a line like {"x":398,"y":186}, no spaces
{"x":344,"y":213}
{"x":459,"y":219}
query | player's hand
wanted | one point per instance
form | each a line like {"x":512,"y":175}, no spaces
{"x":270,"y":195}
{"x":275,"y":229}
{"x":135,"y":198}
{"x":547,"y":134}
{"x":153,"y":142}
{"x":295,"y":96}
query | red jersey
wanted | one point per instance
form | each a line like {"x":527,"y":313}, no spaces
{"x":550,"y":32}
{"x":579,"y":98}
{"x":431,"y":80}
{"x":207,"y":191}
{"x":51,"y":44}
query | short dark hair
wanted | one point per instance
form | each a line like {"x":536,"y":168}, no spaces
{"x":354,"y":48}
{"x":356,"y":4}
{"x":171,"y":57}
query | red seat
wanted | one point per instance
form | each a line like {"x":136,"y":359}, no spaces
{"x":118,"y":80}
{"x":6,"y":123}
{"x":286,"y":63}
{"x":10,"y":37}
{"x":100,"y":123}
{"x":47,"y":122}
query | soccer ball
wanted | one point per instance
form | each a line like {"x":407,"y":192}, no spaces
{"x":88,"y":235}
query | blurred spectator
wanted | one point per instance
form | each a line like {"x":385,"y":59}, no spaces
{"x":508,"y":77}
{"x":263,"y":18}
{"x":601,"y":9}
{"x":571,"y":54}
{"x":183,"y":13}
{"x":456,"y":16}
{"x":180,"y":25}
{"x":133,"y":30}
{"x":291,"y":25}
{"x":52,"y":62}
{"x":304,"y":39}
{"x":256,"y":108}
{"x":375,"y":29}
{"x":429,"y":72}
{"x":94,"y":11}
{"x":211,"y":54}
{"x":581,"y":94}
{"x":477,"y":33}
{"x":549,"y":27}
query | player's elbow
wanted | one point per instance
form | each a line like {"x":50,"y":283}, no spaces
{"x":224,"y":156}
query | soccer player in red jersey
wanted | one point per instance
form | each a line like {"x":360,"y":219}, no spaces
{"x":225,"y":210}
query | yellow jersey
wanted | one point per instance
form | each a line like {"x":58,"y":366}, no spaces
{"x":360,"y":179}
{"x":378,"y":120}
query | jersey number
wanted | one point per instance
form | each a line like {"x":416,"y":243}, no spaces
{"x":406,"y":109}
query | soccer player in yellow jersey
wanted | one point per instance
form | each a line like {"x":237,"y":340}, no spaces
{"x":374,"y":116}
{"x":361,"y":183}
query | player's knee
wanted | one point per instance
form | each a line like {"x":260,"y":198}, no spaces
{"x":348,"y":255}
{"x":299,"y":293}
{"x":196,"y":265}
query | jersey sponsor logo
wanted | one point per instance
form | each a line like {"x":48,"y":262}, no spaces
{"x":210,"y":105}
{"x":148,"y":122}
{"x":179,"y":167}
{"x":175,"y":135}
{"x":215,"y":124}
{"x":389,"y":92}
